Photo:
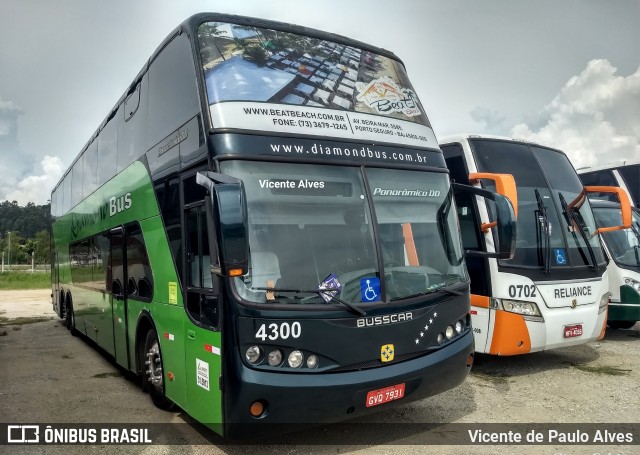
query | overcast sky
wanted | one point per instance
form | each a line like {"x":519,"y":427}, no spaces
{"x":562,"y":73}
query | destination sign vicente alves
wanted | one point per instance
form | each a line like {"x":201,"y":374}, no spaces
{"x":320,"y":122}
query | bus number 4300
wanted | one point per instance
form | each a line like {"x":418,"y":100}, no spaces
{"x":283,"y":330}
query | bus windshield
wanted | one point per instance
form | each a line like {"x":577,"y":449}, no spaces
{"x":624,"y":245}
{"x":314,"y":227}
{"x":551,"y":230}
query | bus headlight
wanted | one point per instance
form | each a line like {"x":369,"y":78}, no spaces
{"x":635,"y":284}
{"x":521,"y":307}
{"x":295,"y":359}
{"x":604,"y":301}
{"x":253,"y":354}
{"x":448,"y":332}
{"x":458,"y":327}
{"x":312,"y":361}
{"x":275,"y":358}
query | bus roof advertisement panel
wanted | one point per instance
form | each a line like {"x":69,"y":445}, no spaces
{"x":268,"y":80}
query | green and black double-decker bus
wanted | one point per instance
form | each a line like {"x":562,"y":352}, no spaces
{"x":263,"y":228}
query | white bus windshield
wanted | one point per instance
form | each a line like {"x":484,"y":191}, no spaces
{"x":547,"y":184}
{"x":311,"y":227}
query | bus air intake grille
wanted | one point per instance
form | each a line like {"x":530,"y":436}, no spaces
{"x":377,"y":363}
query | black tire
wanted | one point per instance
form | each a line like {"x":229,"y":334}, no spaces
{"x":153,"y":371}
{"x":69,"y":316}
{"x":621,"y":324}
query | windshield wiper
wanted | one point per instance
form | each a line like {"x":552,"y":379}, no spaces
{"x":444,"y":288}
{"x":320,"y":292}
{"x":571,"y":220}
{"x":543,"y":223}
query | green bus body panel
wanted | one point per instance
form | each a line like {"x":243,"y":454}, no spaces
{"x":628,"y":296}
{"x":102,"y":318}
{"x":204,"y":347}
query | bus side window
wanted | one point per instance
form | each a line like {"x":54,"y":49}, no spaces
{"x":139,"y":280}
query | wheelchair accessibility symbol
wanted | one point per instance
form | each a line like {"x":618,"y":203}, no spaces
{"x":560,"y":255}
{"x":370,"y":289}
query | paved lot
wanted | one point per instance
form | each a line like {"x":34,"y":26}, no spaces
{"x":48,"y":376}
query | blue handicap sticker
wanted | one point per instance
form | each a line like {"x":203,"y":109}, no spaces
{"x":370,"y":289}
{"x":560,"y":255}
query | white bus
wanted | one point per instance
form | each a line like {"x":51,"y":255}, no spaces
{"x":625,"y":174}
{"x":554,"y":291}
{"x":623,"y":249}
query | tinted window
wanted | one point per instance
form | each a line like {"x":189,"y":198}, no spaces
{"x":81,"y":265}
{"x":76,"y":185}
{"x":173,"y":97}
{"x":631,"y":176}
{"x":453,"y":155}
{"x":139,"y":278}
{"x":528,"y":165}
{"x":132,"y":126}
{"x":66,"y":185}
{"x":107,"y":152}
{"x":600,"y":178}
{"x":90,"y":169}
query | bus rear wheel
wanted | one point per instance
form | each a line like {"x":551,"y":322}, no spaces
{"x":153,"y":371}
{"x":69,"y":316}
{"x":621,"y":324}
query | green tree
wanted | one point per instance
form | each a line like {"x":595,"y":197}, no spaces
{"x":41,"y":247}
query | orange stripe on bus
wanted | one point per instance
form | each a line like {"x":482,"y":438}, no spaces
{"x":510,"y":335}
{"x":479,"y":301}
{"x":604,"y":324}
{"x":410,"y":245}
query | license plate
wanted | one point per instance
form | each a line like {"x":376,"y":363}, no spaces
{"x":571,"y":331}
{"x":376,"y":397}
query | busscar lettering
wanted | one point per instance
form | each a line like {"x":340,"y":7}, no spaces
{"x":579,"y":291}
{"x":383,"y":320}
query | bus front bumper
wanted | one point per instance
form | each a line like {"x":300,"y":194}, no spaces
{"x":297,"y":401}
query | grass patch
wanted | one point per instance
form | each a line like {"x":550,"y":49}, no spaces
{"x":4,"y":333}
{"x":25,"y":280}
{"x":22,"y":321}
{"x":112,"y":374}
{"x":610,"y":371}
{"x":16,"y":328}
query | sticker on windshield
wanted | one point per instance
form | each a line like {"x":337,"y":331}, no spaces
{"x":560,"y":255}
{"x":370,"y":289}
{"x":330,"y":282}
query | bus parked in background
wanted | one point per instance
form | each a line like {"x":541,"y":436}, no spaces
{"x":263,"y":228}
{"x":623,"y":249}
{"x":554,"y":291}
{"x":625,"y":174}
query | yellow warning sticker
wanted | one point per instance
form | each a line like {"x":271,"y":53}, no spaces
{"x":173,"y":292}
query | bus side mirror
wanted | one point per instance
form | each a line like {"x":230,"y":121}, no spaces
{"x":625,"y":205}
{"x":228,"y":209}
{"x":505,"y":223}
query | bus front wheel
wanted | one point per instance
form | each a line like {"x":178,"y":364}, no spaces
{"x":153,"y":372}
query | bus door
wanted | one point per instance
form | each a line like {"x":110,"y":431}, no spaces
{"x":117,"y":286}
{"x":203,"y":345}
